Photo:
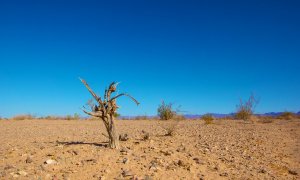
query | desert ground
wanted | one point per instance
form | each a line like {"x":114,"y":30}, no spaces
{"x":76,"y":149}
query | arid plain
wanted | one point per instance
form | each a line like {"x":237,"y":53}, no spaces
{"x":77,"y":149}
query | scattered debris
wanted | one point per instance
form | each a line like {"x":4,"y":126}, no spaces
{"x":123,"y":137}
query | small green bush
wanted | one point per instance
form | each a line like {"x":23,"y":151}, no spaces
{"x":208,"y":118}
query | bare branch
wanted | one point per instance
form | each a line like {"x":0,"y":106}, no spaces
{"x":98,"y":99}
{"x":91,"y":113}
{"x":125,"y":94}
{"x":111,"y":88}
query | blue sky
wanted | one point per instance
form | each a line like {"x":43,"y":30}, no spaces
{"x":202,"y":55}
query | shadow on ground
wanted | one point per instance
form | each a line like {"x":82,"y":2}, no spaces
{"x":102,"y":144}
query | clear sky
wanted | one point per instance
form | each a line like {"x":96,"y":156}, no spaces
{"x":202,"y":55}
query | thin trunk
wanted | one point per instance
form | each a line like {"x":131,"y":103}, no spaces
{"x":113,"y":135}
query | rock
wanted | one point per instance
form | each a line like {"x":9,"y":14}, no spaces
{"x":124,"y":151}
{"x":73,"y":152}
{"x":28,"y":160}
{"x":50,"y":161}
{"x":14,"y":175}
{"x":153,"y":167}
{"x":166,"y":153}
{"x":125,"y":160}
{"x":293,"y":172}
{"x":262,"y":171}
{"x":198,"y":161}
{"x":22,"y":173}
{"x":146,"y":135}
{"x":126,"y":173}
{"x":93,"y":161}
{"x":180,"y":163}
{"x":123,"y":137}
{"x":181,"y":149}
{"x":224,"y":174}
{"x":7,"y":167}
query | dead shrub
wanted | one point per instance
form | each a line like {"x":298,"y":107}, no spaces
{"x":165,"y":111}
{"x":208,"y":118}
{"x":170,"y":126}
{"x":287,"y":115}
{"x":23,"y":117}
{"x":145,"y":135}
{"x":245,"y":109}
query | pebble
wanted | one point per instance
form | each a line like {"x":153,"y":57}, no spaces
{"x":126,"y":173}
{"x":123,"y":137}
{"x":292,"y":172}
{"x":28,"y":160}
{"x":125,"y":160}
{"x":50,"y":161}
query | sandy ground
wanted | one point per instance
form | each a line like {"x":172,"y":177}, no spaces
{"x":227,"y":149}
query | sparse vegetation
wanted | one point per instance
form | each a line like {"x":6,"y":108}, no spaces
{"x":23,"y":117}
{"x":70,"y":117}
{"x":265,"y":121}
{"x":165,"y":111}
{"x":245,"y":109}
{"x":170,"y":127}
{"x":287,"y":115}
{"x":76,"y":116}
{"x":141,"y":117}
{"x":208,"y":118}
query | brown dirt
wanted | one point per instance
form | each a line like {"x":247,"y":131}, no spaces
{"x":226,"y":149}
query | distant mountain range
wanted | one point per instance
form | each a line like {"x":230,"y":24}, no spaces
{"x":217,"y":115}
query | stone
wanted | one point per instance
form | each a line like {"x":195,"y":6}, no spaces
{"x":50,"y":161}
{"x":14,"y":175}
{"x":224,"y":174}
{"x":166,"y":153}
{"x":28,"y":160}
{"x":125,"y":160}
{"x":126,"y":173}
{"x":123,"y":137}
{"x":293,"y":172}
{"x":22,"y":173}
{"x":180,"y":163}
{"x":93,"y":161}
{"x":197,"y":160}
{"x":262,"y":171}
{"x":8,"y":167}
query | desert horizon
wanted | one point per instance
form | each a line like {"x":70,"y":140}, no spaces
{"x":149,"y":90}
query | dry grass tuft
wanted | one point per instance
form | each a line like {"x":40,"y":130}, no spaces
{"x":287,"y":116}
{"x":208,"y":118}
{"x":170,"y":126}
